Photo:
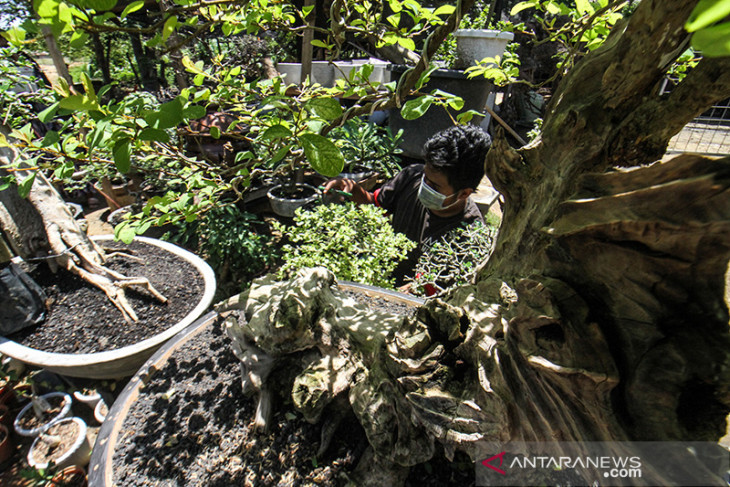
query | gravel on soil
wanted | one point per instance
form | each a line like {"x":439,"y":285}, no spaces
{"x":81,"y":319}
{"x":192,"y":425}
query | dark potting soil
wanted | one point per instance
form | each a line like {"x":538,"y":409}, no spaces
{"x":191,"y":425}
{"x":81,"y":319}
{"x":293,"y":192}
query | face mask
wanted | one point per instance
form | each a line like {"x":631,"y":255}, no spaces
{"x":432,"y":199}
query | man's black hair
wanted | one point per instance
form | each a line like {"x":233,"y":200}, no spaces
{"x":459,"y":152}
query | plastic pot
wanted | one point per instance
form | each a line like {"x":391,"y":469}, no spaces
{"x":100,"y":411}
{"x":90,"y":399}
{"x":286,"y":206}
{"x":77,"y":453}
{"x":475,"y":44}
{"x":72,"y":475}
{"x":7,"y":446}
{"x":28,"y":409}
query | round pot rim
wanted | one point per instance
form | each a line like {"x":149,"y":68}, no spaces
{"x":100,"y":471}
{"x":81,"y":437}
{"x":484,"y":33}
{"x":298,"y":185}
{"x":73,"y":364}
{"x":97,"y":411}
{"x":63,"y":414}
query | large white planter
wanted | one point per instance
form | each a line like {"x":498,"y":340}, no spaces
{"x":122,"y":362}
{"x":473,"y":45}
{"x":326,"y":73}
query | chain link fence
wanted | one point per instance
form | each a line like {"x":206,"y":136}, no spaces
{"x":707,"y":134}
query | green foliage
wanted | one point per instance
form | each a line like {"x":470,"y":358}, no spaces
{"x":710,"y":28}
{"x":500,"y":70}
{"x":451,"y":261}
{"x":355,"y":242}
{"x":579,"y":27}
{"x":365,"y":145}
{"x":230,"y":241}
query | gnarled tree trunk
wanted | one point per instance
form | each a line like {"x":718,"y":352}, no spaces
{"x":600,"y":316}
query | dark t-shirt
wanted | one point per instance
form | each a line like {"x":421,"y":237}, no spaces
{"x":399,"y":197}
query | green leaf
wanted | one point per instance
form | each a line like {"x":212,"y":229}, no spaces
{"x":318,"y":43}
{"x":169,"y":27}
{"x":445,"y":10}
{"x":322,"y":154}
{"x":706,"y":13}
{"x":65,"y":170}
{"x":79,"y":102}
{"x":215,"y":132}
{"x":276,"y":132}
{"x":712,"y":41}
{"x":122,"y":151}
{"x":47,"y":115}
{"x":584,"y":6}
{"x":50,"y":138}
{"x":15,"y":36}
{"x":193,"y":112}
{"x":25,"y":186}
{"x":407,"y":42}
{"x":412,"y":109}
{"x":78,"y":39}
{"x":156,"y":135}
{"x":88,"y":86}
{"x":523,"y":6}
{"x":124,"y":232}
{"x":132,"y":7}
{"x":327,"y":108}
{"x":169,"y":115}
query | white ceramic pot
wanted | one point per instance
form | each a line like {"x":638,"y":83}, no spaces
{"x":100,"y":411}
{"x":78,"y":453}
{"x":90,"y":399}
{"x":28,"y":409}
{"x":475,"y":44}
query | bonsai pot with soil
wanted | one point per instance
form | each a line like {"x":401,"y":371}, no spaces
{"x":41,"y":413}
{"x":215,"y":441}
{"x":65,"y":443}
{"x":286,"y":198}
{"x":85,"y":335}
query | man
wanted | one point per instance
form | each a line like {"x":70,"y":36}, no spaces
{"x":427,"y":200}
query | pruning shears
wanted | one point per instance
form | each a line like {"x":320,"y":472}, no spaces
{"x":336,"y":191}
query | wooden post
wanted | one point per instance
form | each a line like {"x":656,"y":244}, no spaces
{"x":307,"y":41}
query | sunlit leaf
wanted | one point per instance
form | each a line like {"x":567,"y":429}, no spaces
{"x":132,"y":7}
{"x":706,"y":13}
{"x":412,"y":109}
{"x":327,"y":108}
{"x":712,"y":41}
{"x":25,"y":185}
{"x":322,"y":154}
{"x":122,"y":151}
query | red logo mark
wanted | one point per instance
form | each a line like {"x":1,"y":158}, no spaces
{"x":501,"y":460}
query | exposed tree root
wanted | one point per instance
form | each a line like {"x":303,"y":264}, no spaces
{"x":42,"y":227}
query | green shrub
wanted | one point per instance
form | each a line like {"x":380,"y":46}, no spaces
{"x":364,"y":144}
{"x":228,"y":240}
{"x":355,"y":242}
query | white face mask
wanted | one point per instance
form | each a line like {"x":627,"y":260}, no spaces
{"x":432,"y":199}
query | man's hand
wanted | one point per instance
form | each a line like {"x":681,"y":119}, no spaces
{"x":359,"y":195}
